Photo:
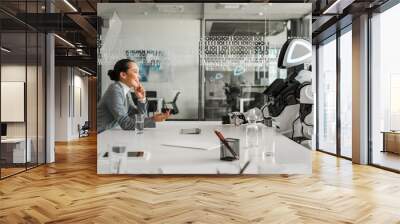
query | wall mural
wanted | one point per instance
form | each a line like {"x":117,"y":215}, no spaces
{"x":151,"y":63}
{"x":261,"y":107}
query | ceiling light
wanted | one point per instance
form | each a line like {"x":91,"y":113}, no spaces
{"x":70,"y":5}
{"x":5,"y":50}
{"x":260,"y":13}
{"x":84,"y":71}
{"x":79,"y":51}
{"x":64,"y":40}
{"x":329,"y":9}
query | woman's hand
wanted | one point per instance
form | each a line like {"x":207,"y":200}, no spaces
{"x":139,"y":90}
{"x":160,"y":116}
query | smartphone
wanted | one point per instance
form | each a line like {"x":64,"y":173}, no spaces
{"x":190,"y":131}
{"x":136,"y":154}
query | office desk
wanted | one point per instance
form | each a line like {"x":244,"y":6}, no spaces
{"x":288,"y":158}
{"x":16,"y":148}
{"x":391,"y":141}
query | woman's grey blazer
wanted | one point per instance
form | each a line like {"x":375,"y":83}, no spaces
{"x":116,"y":108}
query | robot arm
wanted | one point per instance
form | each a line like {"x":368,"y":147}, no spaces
{"x":290,"y":100}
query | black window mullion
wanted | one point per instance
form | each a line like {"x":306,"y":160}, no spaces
{"x":37,"y":89}
{"x":338,"y":94}
{"x":316,"y":97}
{"x":26,"y":86}
{"x":369,"y":77}
{"x":1,"y":163}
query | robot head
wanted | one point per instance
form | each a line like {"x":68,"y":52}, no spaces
{"x":295,"y":52}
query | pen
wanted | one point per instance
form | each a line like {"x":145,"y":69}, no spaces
{"x":244,"y":167}
{"x":221,"y":137}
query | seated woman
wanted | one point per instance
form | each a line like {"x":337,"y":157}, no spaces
{"x":116,"y":106}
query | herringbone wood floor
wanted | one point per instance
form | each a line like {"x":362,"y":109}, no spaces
{"x":70,"y":191}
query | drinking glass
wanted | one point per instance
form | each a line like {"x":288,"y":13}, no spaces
{"x":117,"y":154}
{"x":139,"y":123}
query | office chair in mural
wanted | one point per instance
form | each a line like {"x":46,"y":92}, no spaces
{"x":171,"y":106}
{"x":83,"y":130}
{"x":231,"y":93}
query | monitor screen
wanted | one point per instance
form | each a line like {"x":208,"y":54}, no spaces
{"x":3,"y":129}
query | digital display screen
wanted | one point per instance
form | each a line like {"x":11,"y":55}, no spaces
{"x":136,"y":154}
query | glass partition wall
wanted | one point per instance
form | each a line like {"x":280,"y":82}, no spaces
{"x":235,"y":79}
{"x":22,"y":77}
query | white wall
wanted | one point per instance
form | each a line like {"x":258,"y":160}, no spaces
{"x":61,"y":103}
{"x":179,"y":39}
{"x":81,"y":83}
{"x":68,"y":81}
{"x":17,"y":73}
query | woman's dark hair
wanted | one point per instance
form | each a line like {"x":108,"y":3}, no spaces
{"x":121,"y":66}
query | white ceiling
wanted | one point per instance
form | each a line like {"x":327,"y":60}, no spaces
{"x":239,"y":11}
{"x":268,"y":11}
{"x":149,"y":10}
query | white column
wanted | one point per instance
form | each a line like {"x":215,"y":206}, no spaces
{"x":360,"y":90}
{"x":50,"y":99}
{"x":50,"y":92}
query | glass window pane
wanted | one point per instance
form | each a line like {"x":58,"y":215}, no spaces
{"x":327,"y":96}
{"x":385,"y":89}
{"x":346,"y":94}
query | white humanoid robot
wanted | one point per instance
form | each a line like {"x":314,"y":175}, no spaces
{"x":290,"y":101}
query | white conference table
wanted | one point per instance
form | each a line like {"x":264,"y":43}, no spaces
{"x":276,"y":154}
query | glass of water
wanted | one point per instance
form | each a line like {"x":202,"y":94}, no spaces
{"x":117,"y":154}
{"x":252,"y":135}
{"x":139,"y":123}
